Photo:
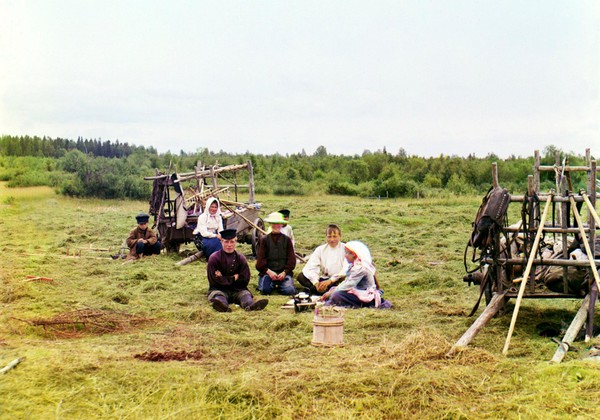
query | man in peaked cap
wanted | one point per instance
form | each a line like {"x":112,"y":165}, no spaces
{"x":142,"y":240}
{"x":276,"y":259}
{"x":287,"y":228}
{"x":228,"y":277}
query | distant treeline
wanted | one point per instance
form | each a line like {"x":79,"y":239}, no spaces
{"x":94,"y":168}
{"x":47,"y":147}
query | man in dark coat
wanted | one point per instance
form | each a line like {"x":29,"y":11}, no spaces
{"x":142,"y":241}
{"x":276,"y":259}
{"x":228,"y":277}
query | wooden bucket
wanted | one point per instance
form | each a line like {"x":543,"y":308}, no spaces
{"x":328,"y":331}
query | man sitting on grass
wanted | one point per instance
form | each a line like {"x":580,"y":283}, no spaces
{"x":142,"y":240}
{"x":327,"y":265}
{"x":228,"y":277}
{"x":276,"y":259}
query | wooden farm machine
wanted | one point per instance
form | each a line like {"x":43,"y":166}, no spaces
{"x":553,"y":251}
{"x":178,"y":199}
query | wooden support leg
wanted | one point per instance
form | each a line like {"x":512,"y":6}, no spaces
{"x":590,"y":320}
{"x":492,"y":309}
{"x":572,"y":331}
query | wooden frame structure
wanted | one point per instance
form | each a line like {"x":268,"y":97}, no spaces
{"x":176,"y":209}
{"x":501,"y":263}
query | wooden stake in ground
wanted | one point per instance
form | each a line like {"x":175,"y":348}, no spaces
{"x":572,"y":331}
{"x":532,"y":253}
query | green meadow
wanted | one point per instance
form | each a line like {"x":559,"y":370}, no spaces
{"x":261,"y":364}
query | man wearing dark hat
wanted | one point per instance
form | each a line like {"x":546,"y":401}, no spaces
{"x":228,"y":277}
{"x":142,"y":241}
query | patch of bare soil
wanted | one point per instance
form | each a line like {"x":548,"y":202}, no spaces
{"x":165,"y":356}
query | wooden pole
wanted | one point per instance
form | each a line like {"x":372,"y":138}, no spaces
{"x":586,"y":244}
{"x":488,"y":313}
{"x":190,"y":259}
{"x":589,"y":332}
{"x":250,"y":182}
{"x":536,"y":169}
{"x":231,"y":209}
{"x":591,"y":208}
{"x":536,"y":243}
{"x":572,"y":331}
{"x":495,"y":175}
{"x":11,"y":365}
{"x":300,"y":257}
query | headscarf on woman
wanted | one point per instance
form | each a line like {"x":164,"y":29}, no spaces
{"x":363,"y":256}
{"x":209,"y":225}
{"x":208,"y":228}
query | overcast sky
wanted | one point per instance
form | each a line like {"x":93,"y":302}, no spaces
{"x":429,"y":76}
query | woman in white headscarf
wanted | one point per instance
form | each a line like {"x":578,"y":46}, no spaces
{"x":210,"y":223}
{"x":359,"y":289}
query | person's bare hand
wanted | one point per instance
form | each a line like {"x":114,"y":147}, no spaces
{"x":322,"y":286}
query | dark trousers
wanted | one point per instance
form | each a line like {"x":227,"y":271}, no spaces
{"x":241,"y":297}
{"x":307,"y":284}
{"x":147,"y":249}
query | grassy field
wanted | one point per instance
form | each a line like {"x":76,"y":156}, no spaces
{"x":261,"y":364}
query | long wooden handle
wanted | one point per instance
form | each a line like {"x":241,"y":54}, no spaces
{"x":586,"y":244}
{"x":536,"y":243}
{"x":300,"y":257}
{"x":591,"y":209}
{"x":244,"y":217}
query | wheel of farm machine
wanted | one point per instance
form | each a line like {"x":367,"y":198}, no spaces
{"x":257,"y":234}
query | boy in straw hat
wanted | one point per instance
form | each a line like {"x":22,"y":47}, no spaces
{"x":287,"y":228}
{"x":142,"y":240}
{"x":276,"y":259}
{"x":228,"y":277}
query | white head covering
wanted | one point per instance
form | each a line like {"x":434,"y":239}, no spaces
{"x":363,"y":255}
{"x":207,"y":206}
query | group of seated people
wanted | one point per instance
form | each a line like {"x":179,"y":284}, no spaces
{"x":343,"y":274}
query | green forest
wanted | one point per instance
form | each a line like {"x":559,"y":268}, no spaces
{"x":105,"y":169}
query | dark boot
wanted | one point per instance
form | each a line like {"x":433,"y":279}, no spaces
{"x":220,"y":306}
{"x":307,"y":284}
{"x":259,"y":305}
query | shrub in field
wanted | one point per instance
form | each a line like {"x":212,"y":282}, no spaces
{"x":292,"y":187}
{"x":71,"y":186}
{"x":341,"y":188}
{"x":395,"y":187}
{"x":458,"y":185}
{"x":31,"y":179}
